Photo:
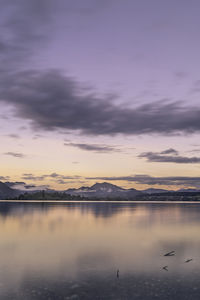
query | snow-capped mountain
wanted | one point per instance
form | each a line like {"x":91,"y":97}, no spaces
{"x":104,"y":190}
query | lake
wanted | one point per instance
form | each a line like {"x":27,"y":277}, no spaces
{"x":92,"y":250}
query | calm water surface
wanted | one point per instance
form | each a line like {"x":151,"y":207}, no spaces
{"x":73,"y":251}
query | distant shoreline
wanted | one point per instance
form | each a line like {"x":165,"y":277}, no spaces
{"x":99,"y":201}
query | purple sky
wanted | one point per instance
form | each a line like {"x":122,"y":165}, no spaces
{"x":107,"y":85}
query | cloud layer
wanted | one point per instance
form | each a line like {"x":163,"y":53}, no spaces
{"x":150,"y":180}
{"x":166,"y":181}
{"x":54,"y":176}
{"x":169,"y":156}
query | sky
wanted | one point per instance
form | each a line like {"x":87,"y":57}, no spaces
{"x":100,"y":90}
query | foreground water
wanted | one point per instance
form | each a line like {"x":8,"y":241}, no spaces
{"x":73,"y":251}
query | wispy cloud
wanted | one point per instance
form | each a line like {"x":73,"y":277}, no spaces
{"x":180,"y":75}
{"x":12,"y":184}
{"x":15,"y":154}
{"x":32,"y":177}
{"x":37,"y":136}
{"x":169,"y":156}
{"x":194,"y":151}
{"x":13,"y":136}
{"x":53,"y":176}
{"x":63,"y":182}
{"x":4,"y":178}
{"x":94,"y":147}
{"x":26,"y":187}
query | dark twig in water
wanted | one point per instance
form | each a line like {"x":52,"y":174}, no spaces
{"x":171,"y":253}
{"x":188,"y":260}
{"x":165,"y":268}
{"x":117,"y":273}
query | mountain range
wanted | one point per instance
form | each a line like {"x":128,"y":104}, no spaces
{"x":98,"y":190}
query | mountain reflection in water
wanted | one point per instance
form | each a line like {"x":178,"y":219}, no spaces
{"x":73,"y":250}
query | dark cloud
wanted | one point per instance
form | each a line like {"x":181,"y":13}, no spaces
{"x":170,"y":151}
{"x":169,"y":156}
{"x":50,"y":100}
{"x":150,"y":180}
{"x":94,"y":147}
{"x":53,"y":175}
{"x":15,"y":154}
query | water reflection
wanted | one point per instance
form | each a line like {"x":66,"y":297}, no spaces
{"x":73,"y":251}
